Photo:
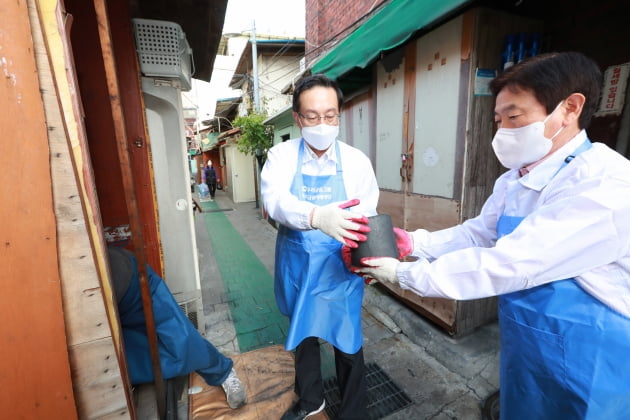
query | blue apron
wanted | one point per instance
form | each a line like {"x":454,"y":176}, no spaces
{"x":562,"y":351}
{"x":313,"y":287}
{"x":182,"y":349}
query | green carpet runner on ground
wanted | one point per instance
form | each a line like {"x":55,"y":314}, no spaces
{"x":248,"y":285}
{"x":249,"y":289}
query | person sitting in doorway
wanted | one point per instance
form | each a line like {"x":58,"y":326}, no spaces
{"x":182,"y":349}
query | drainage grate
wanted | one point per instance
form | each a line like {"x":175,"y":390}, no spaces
{"x":384,"y":396}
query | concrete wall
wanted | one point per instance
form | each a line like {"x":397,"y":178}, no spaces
{"x":274,"y":73}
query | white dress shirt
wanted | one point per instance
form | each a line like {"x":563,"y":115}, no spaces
{"x":576,"y":225}
{"x":280,"y":168}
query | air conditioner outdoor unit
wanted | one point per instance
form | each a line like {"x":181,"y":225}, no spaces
{"x":163,"y":50}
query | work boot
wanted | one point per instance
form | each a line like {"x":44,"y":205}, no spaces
{"x":234,"y":390}
{"x":298,"y":413}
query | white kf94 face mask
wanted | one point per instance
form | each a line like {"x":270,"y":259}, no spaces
{"x":518,"y":147}
{"x":321,"y":136}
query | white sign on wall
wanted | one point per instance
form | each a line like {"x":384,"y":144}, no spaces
{"x":483,"y":77}
{"x":614,"y":90}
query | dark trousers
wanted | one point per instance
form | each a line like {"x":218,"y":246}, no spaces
{"x":212,"y":187}
{"x":350,"y":378}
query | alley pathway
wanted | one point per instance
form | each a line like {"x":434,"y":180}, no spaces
{"x":444,"y":378}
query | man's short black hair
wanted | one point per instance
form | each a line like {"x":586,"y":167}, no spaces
{"x":552,"y":77}
{"x":312,"y":81}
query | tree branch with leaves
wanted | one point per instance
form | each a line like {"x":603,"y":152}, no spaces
{"x":256,"y":137}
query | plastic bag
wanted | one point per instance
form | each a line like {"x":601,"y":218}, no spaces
{"x":203,"y":190}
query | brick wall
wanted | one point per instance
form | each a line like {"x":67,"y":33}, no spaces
{"x":332,"y":20}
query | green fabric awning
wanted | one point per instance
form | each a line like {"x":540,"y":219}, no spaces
{"x":388,"y":28}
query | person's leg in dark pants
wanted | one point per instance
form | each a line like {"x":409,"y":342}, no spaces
{"x":352,"y":385}
{"x":212,"y":187}
{"x":308,"y":381}
{"x":308,"y":374}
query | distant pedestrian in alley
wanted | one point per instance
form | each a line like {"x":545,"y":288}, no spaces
{"x":209,"y":176}
{"x":308,"y":183}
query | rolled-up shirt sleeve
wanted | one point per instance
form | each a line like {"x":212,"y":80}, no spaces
{"x":476,"y":232}
{"x":580,"y":230}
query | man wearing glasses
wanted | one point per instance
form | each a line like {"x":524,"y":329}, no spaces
{"x":308,"y":184}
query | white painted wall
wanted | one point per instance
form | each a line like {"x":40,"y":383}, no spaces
{"x":355,"y":124}
{"x":389,"y":126}
{"x":274,"y":73}
{"x":240,"y":172}
{"x":437,"y":98}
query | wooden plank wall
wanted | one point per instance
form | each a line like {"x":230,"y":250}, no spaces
{"x":99,"y":123}
{"x":94,"y":343}
{"x":481,"y":167}
{"x":35,"y":379}
{"x":137,"y":132}
{"x":431,"y":213}
{"x":420,"y":211}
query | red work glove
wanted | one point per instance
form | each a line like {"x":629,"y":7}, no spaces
{"x":346,"y":255}
{"x":404,"y":242}
{"x":361,"y":220}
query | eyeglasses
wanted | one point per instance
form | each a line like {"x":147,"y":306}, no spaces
{"x":313,"y":119}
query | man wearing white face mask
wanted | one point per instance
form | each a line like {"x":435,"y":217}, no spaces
{"x":518,"y":147}
{"x":553,"y":240}
{"x":308,"y":184}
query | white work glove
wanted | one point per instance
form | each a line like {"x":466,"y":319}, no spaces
{"x":379,"y":268}
{"x":340,"y":224}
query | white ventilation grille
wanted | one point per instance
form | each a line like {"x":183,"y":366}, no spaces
{"x":193,"y":310}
